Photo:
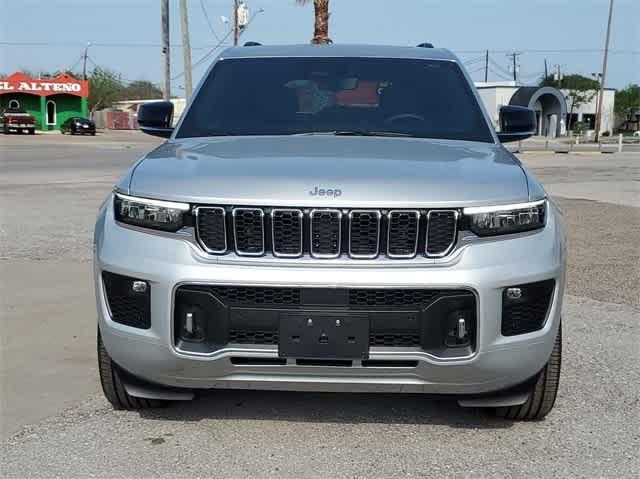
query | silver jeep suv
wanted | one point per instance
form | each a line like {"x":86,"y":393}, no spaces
{"x":332,"y":218}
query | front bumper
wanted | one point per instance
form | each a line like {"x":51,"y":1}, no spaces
{"x":485,"y":267}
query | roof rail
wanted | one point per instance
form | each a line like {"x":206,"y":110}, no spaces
{"x":252,"y":44}
{"x":425,"y":45}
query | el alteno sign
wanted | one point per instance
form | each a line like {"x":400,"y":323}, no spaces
{"x":60,"y":85}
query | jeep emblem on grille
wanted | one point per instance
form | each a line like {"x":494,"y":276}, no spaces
{"x":334,"y":192}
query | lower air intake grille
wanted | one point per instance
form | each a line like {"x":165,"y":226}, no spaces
{"x":127,"y":307}
{"x":393,"y":297}
{"x":394,"y":339}
{"x":242,"y":336}
{"x":251,"y":295}
{"x":528,"y":312}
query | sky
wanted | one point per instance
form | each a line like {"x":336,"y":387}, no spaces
{"x":49,"y":35}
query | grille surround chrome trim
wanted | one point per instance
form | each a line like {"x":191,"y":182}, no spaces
{"x":365,"y":256}
{"x":415,"y":245}
{"x":311,"y":215}
{"x":197,"y":228}
{"x":234,"y":213}
{"x":273,"y":230}
{"x":456,"y":218}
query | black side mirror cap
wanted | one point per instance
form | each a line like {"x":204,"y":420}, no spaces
{"x":516,"y":123}
{"x":156,"y":117}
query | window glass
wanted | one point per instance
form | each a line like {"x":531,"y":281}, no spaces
{"x":280,"y":96}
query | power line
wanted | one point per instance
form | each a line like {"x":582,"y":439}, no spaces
{"x":206,"y":17}
{"x":499,"y":75}
{"x":496,"y":65}
{"x":220,"y":43}
{"x":203,"y":47}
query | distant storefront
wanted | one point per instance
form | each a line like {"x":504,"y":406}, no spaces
{"x":50,"y":101}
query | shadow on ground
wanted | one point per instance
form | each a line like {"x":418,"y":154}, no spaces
{"x":343,"y":408}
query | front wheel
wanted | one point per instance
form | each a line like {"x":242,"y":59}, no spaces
{"x":544,"y":390}
{"x":113,"y":387}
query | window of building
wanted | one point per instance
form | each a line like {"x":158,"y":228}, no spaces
{"x":51,"y":112}
{"x":589,"y":121}
{"x":14,"y":104}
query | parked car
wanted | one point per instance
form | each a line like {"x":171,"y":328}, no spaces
{"x":78,"y":125}
{"x":311,"y":232}
{"x":14,"y":120}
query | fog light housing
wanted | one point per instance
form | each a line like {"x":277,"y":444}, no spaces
{"x":525,"y":307}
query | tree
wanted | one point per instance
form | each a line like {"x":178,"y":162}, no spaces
{"x":571,"y":82}
{"x":580,"y":90}
{"x":321,"y":27}
{"x":627,"y":104}
{"x":105,"y":87}
{"x":140,"y":90}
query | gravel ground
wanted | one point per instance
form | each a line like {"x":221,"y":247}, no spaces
{"x":55,"y":423}
{"x":603,"y":245}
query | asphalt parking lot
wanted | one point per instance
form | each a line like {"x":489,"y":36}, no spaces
{"x":54,"y":421}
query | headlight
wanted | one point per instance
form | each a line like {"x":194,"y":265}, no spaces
{"x":500,"y":220}
{"x":154,"y":214}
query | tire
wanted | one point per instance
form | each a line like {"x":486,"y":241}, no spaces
{"x":32,"y":132}
{"x":544,"y":390}
{"x":113,"y":388}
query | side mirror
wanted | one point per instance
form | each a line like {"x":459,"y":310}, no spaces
{"x":156,"y":117}
{"x":516,"y":123}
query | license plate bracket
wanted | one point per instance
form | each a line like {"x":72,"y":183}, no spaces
{"x":324,"y":336}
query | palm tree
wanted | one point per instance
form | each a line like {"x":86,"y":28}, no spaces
{"x":321,"y":30}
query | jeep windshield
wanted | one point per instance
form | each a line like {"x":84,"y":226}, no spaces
{"x":340,"y":96}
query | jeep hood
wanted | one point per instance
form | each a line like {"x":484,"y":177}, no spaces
{"x":368,"y":171}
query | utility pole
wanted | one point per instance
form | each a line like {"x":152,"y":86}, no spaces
{"x":558,"y":75}
{"x":166,"y":90}
{"x":486,"y":67}
{"x":515,"y":56}
{"x":236,"y":29}
{"x":604,"y":73}
{"x":84,"y":61}
{"x":186,"y":49}
{"x":546,"y":70}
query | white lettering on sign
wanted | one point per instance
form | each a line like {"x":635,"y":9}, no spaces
{"x":41,"y":86}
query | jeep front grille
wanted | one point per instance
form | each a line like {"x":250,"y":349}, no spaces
{"x":326,"y":233}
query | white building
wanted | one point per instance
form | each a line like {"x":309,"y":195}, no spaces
{"x":552,"y":106}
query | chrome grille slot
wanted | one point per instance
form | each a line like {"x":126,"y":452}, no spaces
{"x":402,"y":233}
{"x":364,"y":233}
{"x":441,"y":232}
{"x":326,"y":233}
{"x":211,"y":229}
{"x":286,"y":232}
{"x":248,"y":231}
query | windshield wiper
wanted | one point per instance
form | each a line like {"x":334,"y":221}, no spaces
{"x":353,"y":133}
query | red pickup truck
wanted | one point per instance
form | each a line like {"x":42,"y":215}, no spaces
{"x":17,"y":120}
